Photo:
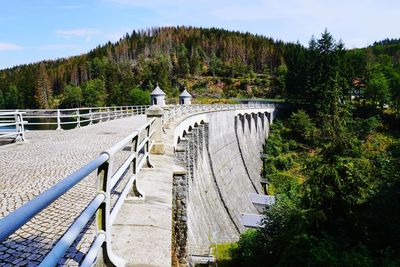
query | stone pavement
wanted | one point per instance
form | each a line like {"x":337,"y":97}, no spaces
{"x":29,"y":168}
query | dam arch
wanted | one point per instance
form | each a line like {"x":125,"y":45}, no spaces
{"x":220,"y":166}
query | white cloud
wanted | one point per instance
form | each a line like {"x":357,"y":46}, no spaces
{"x":87,"y":33}
{"x":9,"y":46}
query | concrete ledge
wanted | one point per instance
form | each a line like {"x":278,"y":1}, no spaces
{"x":251,"y":220}
{"x":260,"y":199}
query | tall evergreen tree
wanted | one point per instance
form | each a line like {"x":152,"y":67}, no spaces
{"x":43,"y":89}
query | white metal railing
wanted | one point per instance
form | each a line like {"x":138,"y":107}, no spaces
{"x":140,"y":142}
{"x":12,"y":125}
{"x":176,"y":111}
{"x":78,"y":117}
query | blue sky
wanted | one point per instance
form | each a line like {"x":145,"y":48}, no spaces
{"x":33,"y":30}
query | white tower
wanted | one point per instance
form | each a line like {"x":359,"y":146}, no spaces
{"x":185,"y":98}
{"x":157,"y":97}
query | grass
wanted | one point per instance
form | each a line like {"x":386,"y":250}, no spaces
{"x":221,"y":253}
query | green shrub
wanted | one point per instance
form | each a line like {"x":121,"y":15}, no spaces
{"x":302,"y":126}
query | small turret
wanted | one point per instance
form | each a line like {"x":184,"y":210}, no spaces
{"x":157,"y":97}
{"x":185,"y":98}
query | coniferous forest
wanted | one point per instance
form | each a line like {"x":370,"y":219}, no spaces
{"x":333,"y":163}
{"x":209,"y":62}
{"x":333,"y":155}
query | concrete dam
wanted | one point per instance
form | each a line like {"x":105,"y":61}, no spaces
{"x":160,"y":188}
{"x":218,"y":158}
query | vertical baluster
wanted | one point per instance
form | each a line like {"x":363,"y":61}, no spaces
{"x":78,"y":119}
{"x":58,"y":120}
{"x":22,"y":127}
{"x":103,"y":221}
{"x":90,"y":116}
{"x":17,"y":126}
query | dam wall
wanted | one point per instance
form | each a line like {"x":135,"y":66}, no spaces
{"x":219,"y":155}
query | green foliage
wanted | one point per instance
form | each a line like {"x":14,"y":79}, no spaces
{"x":162,"y":55}
{"x":303,"y":128}
{"x":222,"y":253}
{"x":378,"y":88}
{"x":364,"y":127}
{"x":335,"y":175}
{"x":11,"y":97}
{"x":72,"y":97}
{"x":94,"y":93}
{"x":139,"y":97}
{"x":2,"y":101}
{"x":216,"y":66}
{"x":249,"y":249}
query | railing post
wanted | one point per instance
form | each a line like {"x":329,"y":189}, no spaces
{"x":157,"y":113}
{"x":106,"y":257}
{"x":90,"y":116}
{"x":101,"y":115}
{"x":21,"y":118}
{"x":78,"y":119}
{"x":19,"y":126}
{"x":133,"y":166}
{"x":58,"y":120}
{"x":108,"y":114}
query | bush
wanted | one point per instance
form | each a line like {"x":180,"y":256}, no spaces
{"x":302,"y":126}
{"x":139,"y":97}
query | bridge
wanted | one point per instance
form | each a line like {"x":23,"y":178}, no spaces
{"x":118,"y":191}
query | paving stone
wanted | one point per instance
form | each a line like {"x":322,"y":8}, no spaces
{"x":28,"y":169}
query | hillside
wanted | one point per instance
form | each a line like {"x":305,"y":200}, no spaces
{"x":210,"y":62}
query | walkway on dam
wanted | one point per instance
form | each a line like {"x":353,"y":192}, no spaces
{"x":31,"y":167}
{"x":143,"y":229}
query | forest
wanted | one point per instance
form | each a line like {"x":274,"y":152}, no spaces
{"x":333,"y":155}
{"x":209,"y":62}
{"x":333,"y":163}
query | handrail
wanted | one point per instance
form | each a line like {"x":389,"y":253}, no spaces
{"x":23,"y":214}
{"x":78,"y":116}
{"x":100,"y":206}
{"x":13,"y":119}
{"x":177,"y":111}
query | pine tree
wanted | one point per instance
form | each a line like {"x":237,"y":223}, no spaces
{"x":43,"y":89}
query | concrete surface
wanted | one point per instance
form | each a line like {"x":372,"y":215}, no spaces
{"x":142,"y":230}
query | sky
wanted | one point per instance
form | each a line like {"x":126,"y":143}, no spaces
{"x":35,"y":30}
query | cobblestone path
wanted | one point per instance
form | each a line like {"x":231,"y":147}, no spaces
{"x":27,"y":169}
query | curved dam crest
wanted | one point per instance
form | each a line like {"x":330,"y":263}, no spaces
{"x":219,"y":159}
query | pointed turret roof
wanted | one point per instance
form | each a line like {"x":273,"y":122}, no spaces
{"x":185,"y":94}
{"x":157,"y":91}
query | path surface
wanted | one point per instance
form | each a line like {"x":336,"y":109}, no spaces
{"x":27,"y":169}
{"x":142,"y":230}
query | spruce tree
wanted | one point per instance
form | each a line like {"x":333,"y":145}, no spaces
{"x":43,"y":88}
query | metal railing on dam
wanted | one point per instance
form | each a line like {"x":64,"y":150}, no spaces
{"x":12,"y":125}
{"x":100,"y":208}
{"x":50,"y":119}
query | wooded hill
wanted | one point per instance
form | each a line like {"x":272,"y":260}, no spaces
{"x":117,"y":73}
{"x":213,"y":63}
